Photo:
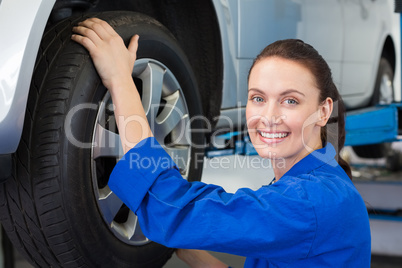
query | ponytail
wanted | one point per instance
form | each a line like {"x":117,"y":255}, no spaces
{"x":334,"y":131}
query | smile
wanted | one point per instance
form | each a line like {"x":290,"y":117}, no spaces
{"x":278,"y":135}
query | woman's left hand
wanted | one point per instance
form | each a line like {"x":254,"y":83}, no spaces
{"x":199,"y":258}
{"x":113,"y":60}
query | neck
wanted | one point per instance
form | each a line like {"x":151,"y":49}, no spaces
{"x":281,"y":166}
{"x":280,"y":171}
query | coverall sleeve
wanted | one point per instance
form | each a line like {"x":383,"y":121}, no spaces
{"x":275,"y":221}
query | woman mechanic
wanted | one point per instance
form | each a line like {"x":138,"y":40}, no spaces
{"x":311,"y":216}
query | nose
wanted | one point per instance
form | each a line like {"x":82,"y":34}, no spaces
{"x":271,"y":115}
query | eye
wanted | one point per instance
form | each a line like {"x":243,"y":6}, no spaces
{"x":257,"y":99}
{"x":291,"y":101}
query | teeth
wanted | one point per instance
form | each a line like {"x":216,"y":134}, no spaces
{"x":273,"y":135}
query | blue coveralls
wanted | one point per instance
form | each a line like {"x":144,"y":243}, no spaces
{"x":312,"y":217}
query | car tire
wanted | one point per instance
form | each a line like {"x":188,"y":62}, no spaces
{"x":57,"y":208}
{"x":7,"y":253}
{"x":383,"y":94}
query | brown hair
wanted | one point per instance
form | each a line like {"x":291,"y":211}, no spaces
{"x":300,"y":52}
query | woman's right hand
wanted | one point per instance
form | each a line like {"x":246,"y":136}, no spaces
{"x":114,"y":63}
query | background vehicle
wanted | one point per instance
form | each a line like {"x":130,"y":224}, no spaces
{"x":58,"y":140}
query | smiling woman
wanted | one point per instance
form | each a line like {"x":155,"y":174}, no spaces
{"x":298,"y":74}
{"x":283,"y":96}
{"x":311,"y":216}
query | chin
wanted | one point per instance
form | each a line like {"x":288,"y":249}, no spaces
{"x":268,"y":153}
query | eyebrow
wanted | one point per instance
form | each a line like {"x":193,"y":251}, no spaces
{"x":292,"y":91}
{"x":288,"y":91}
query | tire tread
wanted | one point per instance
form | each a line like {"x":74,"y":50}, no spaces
{"x":20,"y":217}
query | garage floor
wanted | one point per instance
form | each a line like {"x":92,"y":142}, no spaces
{"x":379,"y":188}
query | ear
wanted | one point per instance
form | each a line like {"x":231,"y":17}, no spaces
{"x":325,"y":111}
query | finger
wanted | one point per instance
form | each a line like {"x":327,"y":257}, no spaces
{"x":100,"y":27}
{"x":84,"y":41}
{"x":105,"y":25}
{"x":87,"y":33}
{"x":133,"y":46}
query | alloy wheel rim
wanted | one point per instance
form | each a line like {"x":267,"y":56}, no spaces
{"x":168,"y":115}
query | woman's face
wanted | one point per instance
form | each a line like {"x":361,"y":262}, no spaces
{"x":284,"y":116}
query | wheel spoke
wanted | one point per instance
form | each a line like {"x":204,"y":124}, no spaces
{"x":152,"y":82}
{"x":136,"y":232}
{"x":109,"y":203}
{"x":106,"y":143}
{"x":181,"y":134}
{"x":131,"y":230}
{"x":170,"y":84}
{"x":170,"y":117}
{"x":180,"y":155}
{"x":130,"y":225}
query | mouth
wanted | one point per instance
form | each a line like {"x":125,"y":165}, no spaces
{"x":273,"y":135}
